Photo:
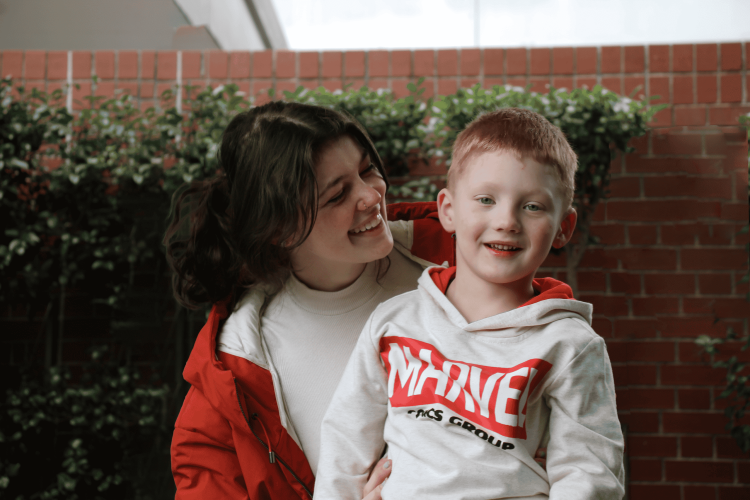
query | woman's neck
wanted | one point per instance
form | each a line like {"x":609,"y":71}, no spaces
{"x":330,"y":280}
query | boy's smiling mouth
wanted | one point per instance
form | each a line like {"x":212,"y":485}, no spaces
{"x":502,"y":247}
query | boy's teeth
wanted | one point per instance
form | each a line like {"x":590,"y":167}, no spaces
{"x":503,"y":247}
{"x":369,"y":225}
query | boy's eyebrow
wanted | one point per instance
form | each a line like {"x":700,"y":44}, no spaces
{"x":335,"y":181}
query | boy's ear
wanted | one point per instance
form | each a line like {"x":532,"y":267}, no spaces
{"x":567,"y":226}
{"x":445,"y":210}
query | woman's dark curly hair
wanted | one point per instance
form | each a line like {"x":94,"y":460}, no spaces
{"x":226,"y":232}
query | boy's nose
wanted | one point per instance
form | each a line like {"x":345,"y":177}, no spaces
{"x":507,"y":220}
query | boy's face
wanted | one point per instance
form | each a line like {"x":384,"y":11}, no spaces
{"x":506,"y":212}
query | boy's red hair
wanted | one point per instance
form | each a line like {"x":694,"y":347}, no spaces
{"x":520,"y":130}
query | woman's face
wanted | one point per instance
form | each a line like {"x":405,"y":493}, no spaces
{"x":350,"y":229}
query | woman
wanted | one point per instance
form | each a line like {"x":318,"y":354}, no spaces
{"x":292,"y":246}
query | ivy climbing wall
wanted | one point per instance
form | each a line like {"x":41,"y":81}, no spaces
{"x":669,"y":260}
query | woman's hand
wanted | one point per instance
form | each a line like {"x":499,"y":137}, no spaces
{"x":541,"y":457}
{"x":379,"y":474}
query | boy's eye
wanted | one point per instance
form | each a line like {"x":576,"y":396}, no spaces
{"x":532,"y":208}
{"x":485,"y":200}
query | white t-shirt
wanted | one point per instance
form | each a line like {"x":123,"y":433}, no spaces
{"x":310,"y":336}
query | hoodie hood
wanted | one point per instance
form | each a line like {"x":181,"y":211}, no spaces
{"x":553,"y":301}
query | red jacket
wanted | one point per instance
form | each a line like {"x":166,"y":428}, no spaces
{"x":229,"y":441}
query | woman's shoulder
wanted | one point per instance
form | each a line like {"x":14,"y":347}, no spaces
{"x":240,"y":333}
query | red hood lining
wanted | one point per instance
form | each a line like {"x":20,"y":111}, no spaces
{"x":544,"y":288}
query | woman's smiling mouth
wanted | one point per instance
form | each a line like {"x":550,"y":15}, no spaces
{"x":372,"y":224}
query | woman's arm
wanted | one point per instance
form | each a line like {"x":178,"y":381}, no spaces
{"x":204,"y":460}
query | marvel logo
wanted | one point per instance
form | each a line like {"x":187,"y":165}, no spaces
{"x":492,"y":397}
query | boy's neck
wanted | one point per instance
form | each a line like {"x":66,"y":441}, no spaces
{"x":477,"y":299}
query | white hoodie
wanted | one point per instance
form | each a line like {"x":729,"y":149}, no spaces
{"x":464,"y":407}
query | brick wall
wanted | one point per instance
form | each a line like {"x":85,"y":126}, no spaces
{"x":669,"y":261}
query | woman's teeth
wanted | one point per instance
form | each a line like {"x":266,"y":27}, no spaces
{"x":502,"y":247}
{"x":374,"y":223}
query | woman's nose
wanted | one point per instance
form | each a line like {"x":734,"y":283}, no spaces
{"x":368,"y":197}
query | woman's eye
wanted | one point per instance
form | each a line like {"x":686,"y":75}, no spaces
{"x":369,"y":169}
{"x":336,"y":198}
{"x":532,"y":208}
{"x":485,"y":200}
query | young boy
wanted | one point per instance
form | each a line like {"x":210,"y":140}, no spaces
{"x":464,"y":377}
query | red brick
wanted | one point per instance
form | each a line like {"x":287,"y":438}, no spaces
{"x":377,"y":62}
{"x":466,"y":83}
{"x":642,"y":235}
{"x":447,"y":62}
{"x":691,"y":375}
{"x":697,"y":492}
{"x":493,"y":61}
{"x":696,"y":422}
{"x":699,"y":472}
{"x":635,"y":328}
{"x":675,"y":143}
{"x":286,"y":64}
{"x":218,"y":65}
{"x":399,"y":88}
{"x":727,"y":447}
{"x":239,"y":64}
{"x":585,"y":83}
{"x":733,"y":307}
{"x":706,"y":88}
{"x":696,"y":446}
{"x":683,"y":89}
{"x":447,"y":86}
{"x":652,"y":306}
{"x":717,"y":258}
{"x":424,"y":62}
{"x":642,"y":469}
{"x":734,"y":492}
{"x":635,"y":85}
{"x":470,"y":62}
{"x":517,"y":82}
{"x":562,"y":58}
{"x":731,"y":56}
{"x":191,"y":64}
{"x":607,"y":306}
{"x":655,"y":492}
{"x":105,"y":89}
{"x":516,"y":61}
{"x":592,"y":281}
{"x":634,"y":59}
{"x":669,"y":283}
{"x":562,"y":83}
{"x":679,"y":234}
{"x":166,"y":63}
{"x":613,"y":83}
{"x":693,"y":399}
{"x":658,"y":58}
{"x":34,"y":65}
{"x":539,"y":85}
{"x":127,"y":64}
{"x":662,"y":118}
{"x":689,"y":327}
{"x":332,"y":84}
{"x":652,"y":446}
{"x":726,"y":115}
{"x":282,"y":86}
{"x":652,"y":399}
{"x":611,"y":59}
{"x":586,"y":60}
{"x":429,"y":91}
{"x":743,"y":472}
{"x":57,"y":65}
{"x":682,"y":185}
{"x":377,"y":83}
{"x":541,"y":61}
{"x":682,"y":58}
{"x":354,"y":64}
{"x":624,"y":187}
{"x":263,"y":64}
{"x":656,"y":210}
{"x":401,"y":63}
{"x":690,"y":116}
{"x":82,"y":64}
{"x":715,"y":284}
{"x":12,"y":61}
{"x":706,"y":57}
{"x":148,"y":90}
{"x":104,"y":64}
{"x":490,"y":83}
{"x":659,"y":86}
{"x":308,"y":64}
{"x":731,"y":88}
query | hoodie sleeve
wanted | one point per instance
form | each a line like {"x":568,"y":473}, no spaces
{"x":431,"y":242}
{"x":204,"y":460}
{"x":352,"y":429}
{"x":585,"y":450}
